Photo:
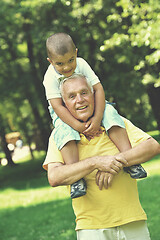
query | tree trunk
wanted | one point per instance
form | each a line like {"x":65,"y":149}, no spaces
{"x":154,"y":96}
{"x":36,"y":81}
{"x":43,"y":133}
{"x":4,"y":144}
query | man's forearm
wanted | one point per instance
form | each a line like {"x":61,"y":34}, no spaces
{"x":142,"y":152}
{"x":59,"y":174}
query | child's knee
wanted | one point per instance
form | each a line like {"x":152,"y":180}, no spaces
{"x":70,"y":152}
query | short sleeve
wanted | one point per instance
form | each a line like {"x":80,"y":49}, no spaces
{"x":135,"y":134}
{"x":84,"y":68}
{"x":51,"y":84}
{"x":53,"y":154}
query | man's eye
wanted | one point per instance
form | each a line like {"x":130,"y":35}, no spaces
{"x":84,"y":92}
{"x":71,"y":96}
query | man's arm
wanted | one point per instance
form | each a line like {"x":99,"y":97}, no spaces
{"x":60,"y":174}
{"x":141,"y":153}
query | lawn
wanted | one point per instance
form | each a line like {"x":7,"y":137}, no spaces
{"x":31,"y":210}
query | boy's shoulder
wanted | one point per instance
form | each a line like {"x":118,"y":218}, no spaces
{"x":50,"y":73}
{"x":81,"y":60}
{"x":81,"y":63}
{"x":50,"y":70}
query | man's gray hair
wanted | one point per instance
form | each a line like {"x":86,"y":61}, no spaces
{"x":75,"y":76}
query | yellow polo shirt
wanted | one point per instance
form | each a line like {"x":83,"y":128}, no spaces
{"x":110,"y":207}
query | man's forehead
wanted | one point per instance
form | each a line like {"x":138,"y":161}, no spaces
{"x":81,"y":80}
{"x":76,"y":84}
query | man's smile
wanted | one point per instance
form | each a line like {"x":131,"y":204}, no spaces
{"x":82,"y":108}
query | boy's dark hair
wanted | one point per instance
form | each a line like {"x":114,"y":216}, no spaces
{"x":59,"y":43}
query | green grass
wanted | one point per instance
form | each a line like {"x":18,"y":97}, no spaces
{"x":150,"y":199}
{"x":31,"y":210}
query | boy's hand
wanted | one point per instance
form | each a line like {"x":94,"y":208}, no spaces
{"x":80,"y":127}
{"x":93,"y":127}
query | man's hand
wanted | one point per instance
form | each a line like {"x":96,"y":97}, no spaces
{"x":110,"y":164}
{"x":103,"y":179}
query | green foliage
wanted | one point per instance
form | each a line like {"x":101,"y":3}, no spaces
{"x":133,"y":51}
{"x":120,"y":40}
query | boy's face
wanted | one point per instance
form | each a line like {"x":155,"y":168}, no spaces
{"x":64,"y":64}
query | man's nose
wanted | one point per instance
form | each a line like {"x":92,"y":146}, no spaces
{"x":79,"y":98}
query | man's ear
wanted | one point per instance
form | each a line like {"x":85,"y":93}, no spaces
{"x":49,"y":60}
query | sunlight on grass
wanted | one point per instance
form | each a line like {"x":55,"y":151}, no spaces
{"x":12,"y":198}
{"x":152,"y":167}
{"x":37,"y":154}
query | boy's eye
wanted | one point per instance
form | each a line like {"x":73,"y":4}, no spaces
{"x":71,"y":60}
{"x":59,"y":64}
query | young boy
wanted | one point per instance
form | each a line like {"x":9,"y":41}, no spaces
{"x":62,"y":55}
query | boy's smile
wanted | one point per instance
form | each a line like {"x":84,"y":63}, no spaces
{"x":65,"y":64}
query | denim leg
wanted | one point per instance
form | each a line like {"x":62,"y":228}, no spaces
{"x":111,"y":117}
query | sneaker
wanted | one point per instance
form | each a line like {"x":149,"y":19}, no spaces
{"x":78,"y":188}
{"x":136,"y":171}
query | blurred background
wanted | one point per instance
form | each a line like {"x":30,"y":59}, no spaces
{"x":119,"y":39}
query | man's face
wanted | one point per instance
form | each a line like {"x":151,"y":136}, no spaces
{"x":65,"y":64}
{"x":78,"y":98}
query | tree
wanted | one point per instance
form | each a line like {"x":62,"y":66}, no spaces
{"x":15,"y":59}
{"x":134,"y":47}
{"x":118,"y":38}
{"x":4,"y":143}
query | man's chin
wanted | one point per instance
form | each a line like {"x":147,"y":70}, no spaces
{"x":84,"y":118}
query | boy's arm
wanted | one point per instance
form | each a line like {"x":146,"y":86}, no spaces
{"x":95,"y":122}
{"x":65,"y":115}
{"x":99,"y":96}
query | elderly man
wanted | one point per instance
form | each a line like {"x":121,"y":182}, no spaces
{"x":111,"y":209}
